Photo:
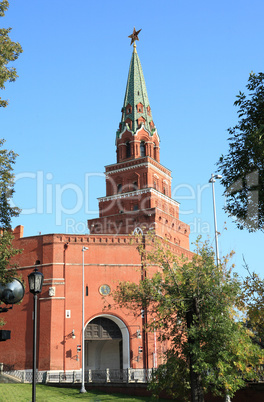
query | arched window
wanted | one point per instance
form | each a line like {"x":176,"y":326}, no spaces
{"x":128,"y":109}
{"x":135,"y":185}
{"x":128,"y":149}
{"x":119,"y":188}
{"x":148,"y":110}
{"x":142,"y":149}
{"x":140,"y":108}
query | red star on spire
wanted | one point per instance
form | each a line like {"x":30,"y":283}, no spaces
{"x":134,"y":36}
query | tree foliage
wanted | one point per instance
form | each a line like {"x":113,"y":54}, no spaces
{"x":252,"y":300}
{"x":243,"y":167}
{"x":192,"y":303}
{"x":9,"y":52}
{"x":7,"y":251}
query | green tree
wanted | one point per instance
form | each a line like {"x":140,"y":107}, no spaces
{"x":192,"y":303}
{"x":9,"y":52}
{"x":252,"y":301}
{"x":7,"y":251}
{"x":243,"y":166}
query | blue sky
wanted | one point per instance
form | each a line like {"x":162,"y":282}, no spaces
{"x":66,"y":105}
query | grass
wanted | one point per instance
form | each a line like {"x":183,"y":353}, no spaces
{"x":44,"y":393}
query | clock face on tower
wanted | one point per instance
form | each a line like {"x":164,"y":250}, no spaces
{"x":104,"y":290}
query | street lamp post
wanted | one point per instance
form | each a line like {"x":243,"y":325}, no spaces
{"x":35,"y":280}
{"x":212,"y":180}
{"x":83,"y":390}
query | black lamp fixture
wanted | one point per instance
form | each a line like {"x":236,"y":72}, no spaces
{"x":35,"y":280}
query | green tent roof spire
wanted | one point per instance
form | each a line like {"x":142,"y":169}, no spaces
{"x":136,"y":109}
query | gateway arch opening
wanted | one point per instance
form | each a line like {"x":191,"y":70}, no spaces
{"x":103,"y":344}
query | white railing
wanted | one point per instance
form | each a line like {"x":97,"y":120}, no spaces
{"x":115,"y":376}
{"x":102,"y":376}
{"x":91,"y":376}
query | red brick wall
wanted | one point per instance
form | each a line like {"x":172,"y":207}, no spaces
{"x":109,"y":259}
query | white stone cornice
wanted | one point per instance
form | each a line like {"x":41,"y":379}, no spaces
{"x":139,"y":192}
{"x":146,"y":164}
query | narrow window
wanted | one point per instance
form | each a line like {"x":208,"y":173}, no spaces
{"x":142,"y":149}
{"x":119,"y":188}
{"x":86,"y":291}
{"x":135,"y":185}
{"x":128,"y":149}
{"x":155,"y":151}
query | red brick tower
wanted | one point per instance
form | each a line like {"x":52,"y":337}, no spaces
{"x":138,"y":187}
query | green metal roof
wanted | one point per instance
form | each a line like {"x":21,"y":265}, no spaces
{"x":136,"y":92}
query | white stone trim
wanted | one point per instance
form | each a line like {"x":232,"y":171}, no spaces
{"x":139,"y":192}
{"x":54,"y":283}
{"x":125,"y":129}
{"x":52,"y":298}
{"x":54,"y":279}
{"x":140,"y":128}
{"x":146,"y":164}
{"x":41,"y":265}
{"x":105,"y":265}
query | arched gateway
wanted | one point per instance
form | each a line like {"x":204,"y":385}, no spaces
{"x":106,"y":343}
